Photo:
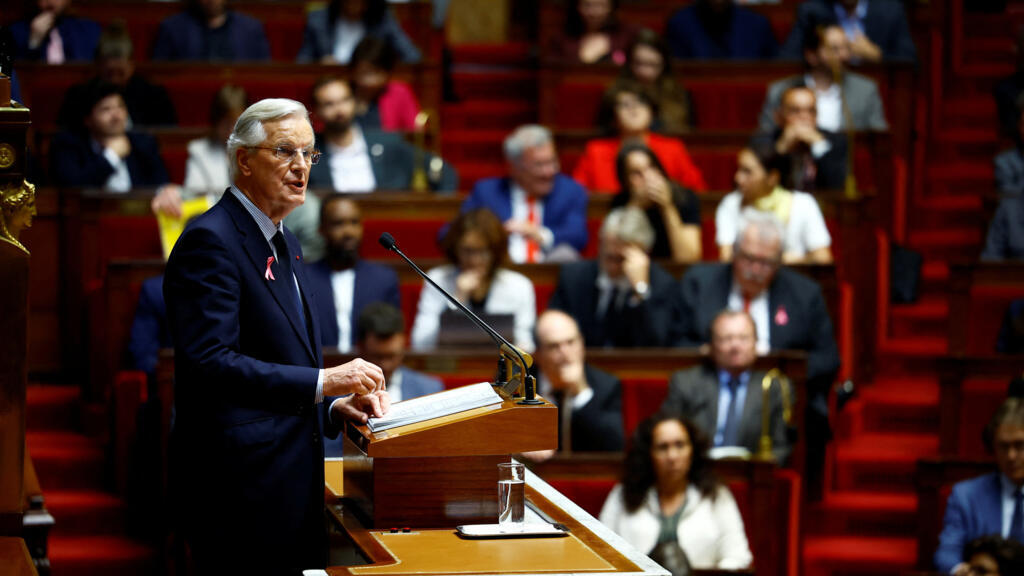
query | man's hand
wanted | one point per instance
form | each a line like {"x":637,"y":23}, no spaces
{"x":657,"y":190}
{"x":40,"y":28}
{"x":167,"y":201}
{"x":636,"y":265}
{"x":863,"y":48}
{"x":467,"y":283}
{"x":524,"y":228}
{"x":961,"y":569}
{"x":570,"y":378}
{"x":355,"y":377}
{"x":361,"y":407}
{"x":796,"y":134}
{"x":120,"y":144}
{"x":537,"y":456}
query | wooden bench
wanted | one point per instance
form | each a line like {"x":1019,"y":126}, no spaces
{"x":979,"y":295}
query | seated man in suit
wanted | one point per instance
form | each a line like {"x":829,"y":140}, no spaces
{"x":989,"y":504}
{"x":50,"y":34}
{"x":877,"y":30}
{"x":723,"y":396}
{"x":544,"y":211}
{"x":357,"y":159}
{"x":622,"y":299}
{"x":589,"y":399}
{"x":720,"y":30}
{"x":102,"y":152}
{"x":207,"y":30}
{"x":788,"y":310}
{"x":343,"y":283}
{"x":381,"y":340}
{"x":826,"y":54}
{"x":817,"y":157}
{"x":1009,"y":164}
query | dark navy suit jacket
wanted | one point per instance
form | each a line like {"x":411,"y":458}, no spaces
{"x":392,"y":160}
{"x":974,"y":509}
{"x":181,"y":37}
{"x":78,"y":35}
{"x":374,"y":283}
{"x":74,"y":162}
{"x":597,"y":427}
{"x":749,"y":37}
{"x":565,"y":207}
{"x":248,"y":441}
{"x":885,"y":24}
{"x":150,"y":332}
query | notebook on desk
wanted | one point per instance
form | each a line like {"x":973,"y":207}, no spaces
{"x":458,"y":330}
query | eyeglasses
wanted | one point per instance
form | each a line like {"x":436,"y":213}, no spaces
{"x":766,"y":262}
{"x":287,"y":153}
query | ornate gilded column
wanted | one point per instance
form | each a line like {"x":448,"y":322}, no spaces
{"x":17,"y":207}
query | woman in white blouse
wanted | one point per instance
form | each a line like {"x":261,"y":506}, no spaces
{"x":668,"y":496}
{"x":476,"y":245}
{"x":758,"y":173}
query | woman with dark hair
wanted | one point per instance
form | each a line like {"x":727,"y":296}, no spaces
{"x":628,"y":111}
{"x":758,"y":176}
{"x":649,"y":63}
{"x":476,"y":246}
{"x":669,"y":494}
{"x":381,"y":102}
{"x":674,"y":211}
{"x":593,"y":34}
{"x":332,"y":33}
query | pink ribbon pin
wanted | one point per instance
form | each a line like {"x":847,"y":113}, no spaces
{"x":269,"y":275}
{"x":781,"y":318}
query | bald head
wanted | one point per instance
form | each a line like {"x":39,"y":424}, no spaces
{"x":559,"y":344}
{"x":799,"y":105}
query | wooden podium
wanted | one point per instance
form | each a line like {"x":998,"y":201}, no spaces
{"x":442,"y":472}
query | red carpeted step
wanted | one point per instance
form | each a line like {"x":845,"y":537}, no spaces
{"x":51,"y":407}
{"x":86,"y":512}
{"x":901,"y":405}
{"x":489,"y":115}
{"x":495,"y":84}
{"x":101,"y":556}
{"x":861,"y":513}
{"x":948,"y":243}
{"x":884,"y":462}
{"x":924,"y":346}
{"x":508,"y":54}
{"x":928,"y":316}
{"x":849,"y":555}
{"x":67,"y":460}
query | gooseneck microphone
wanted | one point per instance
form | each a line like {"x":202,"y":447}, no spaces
{"x":523,"y":360}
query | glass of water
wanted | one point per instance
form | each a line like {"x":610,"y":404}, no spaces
{"x":511,"y":494}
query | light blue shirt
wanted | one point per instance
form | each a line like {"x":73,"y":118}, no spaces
{"x":725,"y":401}
{"x":1007,"y":497}
{"x":852,"y":24}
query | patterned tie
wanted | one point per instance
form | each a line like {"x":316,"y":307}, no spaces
{"x":730,"y":435}
{"x":1017,"y":519}
{"x":532,"y":249}
{"x":284,"y":258}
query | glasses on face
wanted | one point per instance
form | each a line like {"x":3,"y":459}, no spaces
{"x":766,"y":262}
{"x":287,"y":153}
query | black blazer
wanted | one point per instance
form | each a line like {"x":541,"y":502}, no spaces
{"x":373,"y":283}
{"x":74,"y":162}
{"x":597,"y":427}
{"x":653,"y":322}
{"x":830,"y":171}
{"x":885,"y":24}
{"x":392,"y":159}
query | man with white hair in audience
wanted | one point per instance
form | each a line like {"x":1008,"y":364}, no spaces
{"x":544,"y":211}
{"x":622,"y":299}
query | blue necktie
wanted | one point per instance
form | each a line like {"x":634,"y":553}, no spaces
{"x":730,"y":436}
{"x":284,"y":258}
{"x":1017,"y":519}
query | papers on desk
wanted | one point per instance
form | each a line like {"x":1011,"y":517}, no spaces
{"x":436,"y":405}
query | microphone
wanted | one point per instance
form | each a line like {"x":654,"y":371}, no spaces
{"x":523,"y":360}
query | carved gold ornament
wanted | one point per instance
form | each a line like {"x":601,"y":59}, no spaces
{"x":17,"y":207}
{"x":7,"y":156}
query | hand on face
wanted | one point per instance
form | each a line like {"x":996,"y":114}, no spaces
{"x":468,"y":283}
{"x":636,"y":265}
{"x":863,"y":48}
{"x":119,"y":144}
{"x":40,"y":27}
{"x":570,"y":376}
{"x":657,"y":189}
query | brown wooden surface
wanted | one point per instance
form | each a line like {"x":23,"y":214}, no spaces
{"x":14,"y":280}
{"x":14,"y":558}
{"x":932,"y":479}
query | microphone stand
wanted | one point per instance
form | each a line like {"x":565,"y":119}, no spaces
{"x":525,"y":382}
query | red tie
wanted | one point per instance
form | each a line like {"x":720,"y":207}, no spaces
{"x":746,"y":305}
{"x":531,"y":247}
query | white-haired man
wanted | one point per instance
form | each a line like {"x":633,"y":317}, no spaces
{"x":253,"y":403}
{"x":622,"y":299}
{"x":544,"y":211}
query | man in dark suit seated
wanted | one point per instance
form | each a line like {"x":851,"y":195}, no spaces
{"x":589,"y":399}
{"x":544,"y":211}
{"x":102,"y":152}
{"x":622,"y":299}
{"x":343,"y":283}
{"x":253,"y":401}
{"x":207,"y":30}
{"x":1005,"y":237}
{"x":877,"y":30}
{"x":148,"y":104}
{"x":723,"y":396}
{"x":989,"y":504}
{"x":720,"y":30}
{"x":53,"y":36}
{"x":817,"y":157}
{"x":788,"y":310}
{"x":359,"y":159}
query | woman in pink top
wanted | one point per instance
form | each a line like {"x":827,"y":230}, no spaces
{"x":381,"y":102}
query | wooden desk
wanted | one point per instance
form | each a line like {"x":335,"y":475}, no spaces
{"x":14,"y":558}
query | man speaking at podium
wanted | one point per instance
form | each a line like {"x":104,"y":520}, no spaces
{"x":252,"y":401}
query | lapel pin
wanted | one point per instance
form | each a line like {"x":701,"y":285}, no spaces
{"x":781,"y":318}
{"x":269,"y":274}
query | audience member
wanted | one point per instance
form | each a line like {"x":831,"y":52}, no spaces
{"x":649,"y":63}
{"x":826,"y":53}
{"x":877,"y":30}
{"x":720,"y":30}
{"x":148,"y":104}
{"x":673,"y":211}
{"x":149,"y":332}
{"x":206,"y":169}
{"x":993,"y":556}
{"x":758,"y":173}
{"x":543,"y":210}
{"x":628,"y":111}
{"x":207,"y":30}
{"x":333,"y":32}
{"x":476,"y":246}
{"x":380,"y":340}
{"x":589,"y":399}
{"x":723,"y":397}
{"x":381,"y":102}
{"x":53,"y":35}
{"x":622,"y":299}
{"x":1009,"y":164}
{"x":343,"y":283}
{"x":1008,"y":93}
{"x":357,"y":159}
{"x":102,"y":152}
{"x":989,"y":504}
{"x":788,"y":310}
{"x":1005,"y":239}
{"x":669,"y":495}
{"x":593,"y":33}
{"x":817,"y":157}
{"x":1011,"y":332}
